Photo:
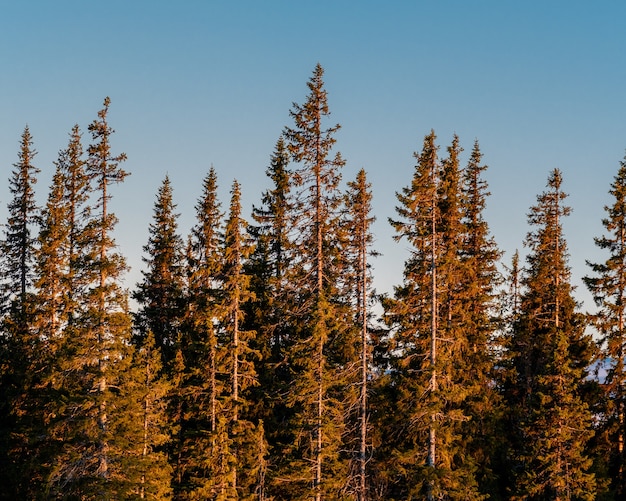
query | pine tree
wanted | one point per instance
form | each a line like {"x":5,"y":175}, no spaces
{"x":96,"y":349}
{"x":247,"y":445}
{"x":199,"y":410}
{"x":359,"y":222}
{"x":20,"y":348}
{"x":317,"y":470}
{"x":550,"y":355}
{"x":19,"y":243}
{"x":268,"y":313}
{"x":479,"y":256}
{"x":146,"y":463}
{"x":53,"y":304}
{"x":428,"y":338}
{"x":161,"y":293}
{"x":608,"y":286}
{"x":162,"y":310}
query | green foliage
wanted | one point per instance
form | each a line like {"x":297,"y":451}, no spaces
{"x":439,"y":365}
{"x":161,"y":294}
{"x":253,"y":368}
{"x":608,"y":286}
{"x":550,"y":355}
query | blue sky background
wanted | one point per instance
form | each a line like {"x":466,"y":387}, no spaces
{"x":200,"y":83}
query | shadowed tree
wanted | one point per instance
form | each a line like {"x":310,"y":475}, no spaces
{"x":20,"y":347}
{"x":608,"y":286}
{"x":550,"y":355}
{"x":358,"y":250}
{"x":161,"y":293}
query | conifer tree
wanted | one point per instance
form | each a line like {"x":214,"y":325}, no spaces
{"x":161,"y":293}
{"x":248,"y":447}
{"x":268,"y":313}
{"x":53,"y":304}
{"x":608,"y":286}
{"x":359,"y":222}
{"x":479,"y":256}
{"x":316,"y":471}
{"x":19,"y":243}
{"x":428,"y":337}
{"x":550,"y":355}
{"x":95,"y":352}
{"x":19,"y":346}
{"x":199,"y":409}
{"x":147,"y":468}
{"x":72,"y":167}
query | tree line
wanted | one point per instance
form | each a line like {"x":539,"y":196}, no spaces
{"x":254,"y":367}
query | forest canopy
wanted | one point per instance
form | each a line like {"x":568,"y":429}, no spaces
{"x":258,"y":362}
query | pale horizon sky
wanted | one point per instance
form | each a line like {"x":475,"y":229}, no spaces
{"x":199,"y":83}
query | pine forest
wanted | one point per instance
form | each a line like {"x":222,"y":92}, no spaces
{"x":254,"y":360}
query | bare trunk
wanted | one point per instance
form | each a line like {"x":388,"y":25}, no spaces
{"x":432,"y":439}
{"x":235,"y":384}
{"x":318,"y":444}
{"x":102,"y":341}
{"x":317,"y":482}
{"x":364,"y":360}
{"x":146,"y":409}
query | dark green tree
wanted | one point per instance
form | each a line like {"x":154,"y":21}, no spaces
{"x":608,"y":286}
{"x":550,"y":355}
{"x":200,"y":409}
{"x":18,"y":247}
{"x":161,"y":293}
{"x":247,"y":439}
{"x":359,"y":221}
{"x":20,"y":348}
{"x":268,"y":313}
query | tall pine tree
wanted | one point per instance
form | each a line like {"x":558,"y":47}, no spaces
{"x":479,"y":256}
{"x":161,"y":293}
{"x":428,"y":338}
{"x":269,"y":312}
{"x":550,"y":355}
{"x":608,"y":286}
{"x":199,"y":408}
{"x":317,"y":469}
{"x":359,"y":221}
{"x":95,"y":352}
{"x":20,"y":348}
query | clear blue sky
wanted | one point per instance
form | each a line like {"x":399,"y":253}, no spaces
{"x":200,"y":83}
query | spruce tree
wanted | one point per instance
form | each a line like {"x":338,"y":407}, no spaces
{"x":20,"y":348}
{"x":608,"y":286}
{"x":550,"y":355}
{"x":19,"y":243}
{"x":96,"y":349}
{"x":316,"y":468}
{"x":479,"y":256}
{"x":247,"y":439}
{"x":161,"y":293}
{"x":268,"y":313}
{"x":427,"y":338}
{"x":199,"y":408}
{"x":54,"y":304}
{"x":359,"y":222}
{"x":145,"y":407}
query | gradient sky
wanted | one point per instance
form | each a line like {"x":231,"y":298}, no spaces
{"x":200,"y":83}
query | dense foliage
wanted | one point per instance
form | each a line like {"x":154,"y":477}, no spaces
{"x":254,"y":366}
